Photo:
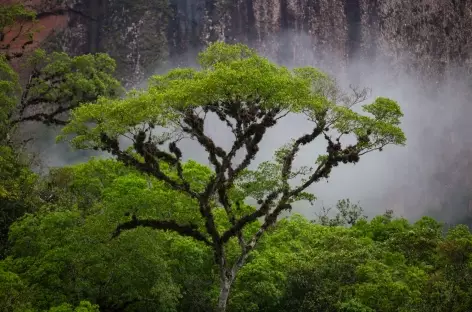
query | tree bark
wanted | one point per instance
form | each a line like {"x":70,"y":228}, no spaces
{"x":225,"y":286}
{"x":227,"y":277}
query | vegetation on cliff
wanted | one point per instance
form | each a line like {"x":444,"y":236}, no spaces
{"x":12,"y":20}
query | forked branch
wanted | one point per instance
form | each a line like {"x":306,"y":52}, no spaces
{"x":336,"y":154}
{"x":150,"y":165}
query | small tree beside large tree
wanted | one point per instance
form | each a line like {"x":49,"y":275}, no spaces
{"x":56,"y":84}
{"x":250,"y":95}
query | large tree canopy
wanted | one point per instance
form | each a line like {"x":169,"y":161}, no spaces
{"x":249,"y":94}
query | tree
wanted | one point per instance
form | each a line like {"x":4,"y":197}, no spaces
{"x":57,"y":84}
{"x":250,"y":95}
{"x":348,"y":214}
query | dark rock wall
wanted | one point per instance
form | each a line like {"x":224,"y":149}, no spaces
{"x":428,"y":36}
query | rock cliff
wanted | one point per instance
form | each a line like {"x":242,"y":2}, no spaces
{"x":424,"y":35}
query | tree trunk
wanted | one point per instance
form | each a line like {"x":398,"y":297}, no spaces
{"x":227,"y":275}
{"x":225,"y":286}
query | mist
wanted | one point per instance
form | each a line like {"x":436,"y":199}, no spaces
{"x":427,"y":176}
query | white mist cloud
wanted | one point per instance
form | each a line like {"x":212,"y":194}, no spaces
{"x":429,"y":173}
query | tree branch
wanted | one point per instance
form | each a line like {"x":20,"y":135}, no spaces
{"x":150,"y":166}
{"x":152,"y":155}
{"x":195,"y":128}
{"x":335,"y":155}
{"x":246,"y":219}
{"x":47,"y":118}
{"x":184,"y":230}
{"x":265,"y":207}
{"x":41,"y":117}
{"x":290,"y":157}
{"x":251,"y":137}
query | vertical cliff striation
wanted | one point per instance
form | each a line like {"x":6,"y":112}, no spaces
{"x":428,"y":36}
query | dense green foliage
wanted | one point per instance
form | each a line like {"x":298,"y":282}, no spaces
{"x":64,"y":254}
{"x":57,"y":84}
{"x":10,"y":14}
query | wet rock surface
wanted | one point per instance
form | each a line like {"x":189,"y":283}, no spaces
{"x":428,"y":36}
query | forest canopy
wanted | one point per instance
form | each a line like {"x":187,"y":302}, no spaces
{"x":63,"y":254}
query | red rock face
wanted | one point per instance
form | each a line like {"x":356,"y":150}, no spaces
{"x":47,"y":25}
